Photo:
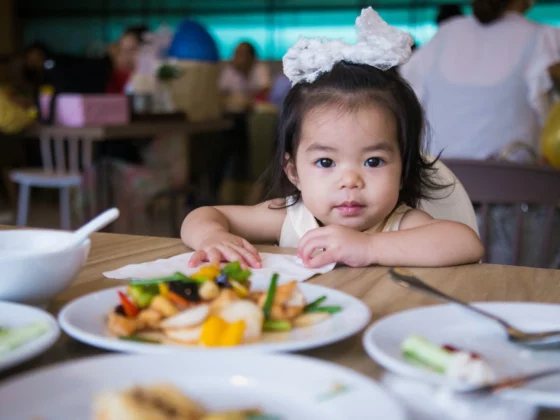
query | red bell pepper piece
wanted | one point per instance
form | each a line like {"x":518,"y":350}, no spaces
{"x":130,"y":308}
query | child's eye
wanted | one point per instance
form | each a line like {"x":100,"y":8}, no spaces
{"x":325,"y":163}
{"x":374,"y":162}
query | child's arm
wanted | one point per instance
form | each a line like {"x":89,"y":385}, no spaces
{"x":222,"y":233}
{"x":421,"y":242}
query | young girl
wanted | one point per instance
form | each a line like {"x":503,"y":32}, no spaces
{"x":348,"y":166}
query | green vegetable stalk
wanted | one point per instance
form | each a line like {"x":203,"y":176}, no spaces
{"x":15,"y":337}
{"x":276,"y":326}
{"x":270,"y":296}
{"x":426,"y":353}
{"x":157,"y":280}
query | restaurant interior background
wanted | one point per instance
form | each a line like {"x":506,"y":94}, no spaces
{"x":88,"y":28}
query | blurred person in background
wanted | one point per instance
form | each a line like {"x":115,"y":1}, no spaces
{"x":124,"y":55}
{"x":27,"y":73}
{"x":484,"y":80}
{"x":245,"y":79}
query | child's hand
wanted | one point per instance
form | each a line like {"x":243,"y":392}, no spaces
{"x":224,"y":246}
{"x":340,"y":244}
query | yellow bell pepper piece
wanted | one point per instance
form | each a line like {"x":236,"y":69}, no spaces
{"x":212,"y":331}
{"x":163,"y":289}
{"x":233,"y":335}
{"x":239,"y":289}
{"x":208,"y":272}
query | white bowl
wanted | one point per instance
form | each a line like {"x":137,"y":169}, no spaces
{"x":33,"y":274}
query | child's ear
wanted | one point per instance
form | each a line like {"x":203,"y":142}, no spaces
{"x":290,"y":170}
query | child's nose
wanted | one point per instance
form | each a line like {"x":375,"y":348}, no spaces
{"x":351,"y":179}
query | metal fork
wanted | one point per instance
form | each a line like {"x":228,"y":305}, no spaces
{"x":512,"y":382}
{"x":406,"y":279}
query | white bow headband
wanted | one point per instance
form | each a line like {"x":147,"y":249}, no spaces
{"x":379,"y":45}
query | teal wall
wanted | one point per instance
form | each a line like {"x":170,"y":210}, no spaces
{"x":272,"y":32}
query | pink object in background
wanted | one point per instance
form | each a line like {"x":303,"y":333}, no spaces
{"x":78,"y":110}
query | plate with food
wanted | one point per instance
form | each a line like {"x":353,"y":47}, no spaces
{"x":25,"y":332}
{"x":196,"y":386}
{"x":213,"y":309}
{"x":449,"y":346}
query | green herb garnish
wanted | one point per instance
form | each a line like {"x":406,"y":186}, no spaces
{"x":234,"y":271}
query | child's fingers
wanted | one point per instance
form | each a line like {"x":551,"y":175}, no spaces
{"x":230,"y":254}
{"x":247,"y":256}
{"x":197,"y":258}
{"x":321,"y":259}
{"x":308,"y":246}
{"x":214,"y":256}
{"x":249,"y":246}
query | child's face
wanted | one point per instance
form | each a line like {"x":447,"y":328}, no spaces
{"x":348,"y":166}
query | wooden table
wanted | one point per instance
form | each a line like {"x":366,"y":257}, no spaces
{"x":473,"y":283}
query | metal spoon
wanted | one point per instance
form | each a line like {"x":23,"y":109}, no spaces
{"x":534,"y":339}
{"x":512,"y":382}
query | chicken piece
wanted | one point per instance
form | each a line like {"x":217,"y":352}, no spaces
{"x":188,"y":318}
{"x":208,"y":290}
{"x":163,"y":306}
{"x":122,"y":326}
{"x":158,"y":402}
{"x":226,"y":297}
{"x":150,"y":318}
{"x":289,"y":302}
{"x":256,"y":296}
{"x":250,"y":313}
{"x":284,"y":313}
{"x":184,"y":335}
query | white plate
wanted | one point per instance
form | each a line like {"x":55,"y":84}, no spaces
{"x":16,"y":315}
{"x":292,"y":387}
{"x":450,"y":324}
{"x":85,"y":320}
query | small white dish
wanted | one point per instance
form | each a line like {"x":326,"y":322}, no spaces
{"x":30,"y":273}
{"x":14,"y":315}
{"x":85,"y":320}
{"x":450,"y":324}
{"x":290,"y":387}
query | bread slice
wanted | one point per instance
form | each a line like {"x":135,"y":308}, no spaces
{"x":157,"y":402}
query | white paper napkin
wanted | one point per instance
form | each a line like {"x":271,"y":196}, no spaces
{"x":428,"y":402}
{"x":288,"y":267}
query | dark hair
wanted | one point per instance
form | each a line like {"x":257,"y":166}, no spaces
{"x":137,"y":32}
{"x":487,"y":11}
{"x":251,"y":47}
{"x":448,"y":11}
{"x":351,"y":86}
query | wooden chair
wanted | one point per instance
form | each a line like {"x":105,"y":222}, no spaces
{"x":55,"y":173}
{"x":496,"y":182}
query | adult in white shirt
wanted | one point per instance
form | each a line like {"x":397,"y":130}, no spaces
{"x":484,"y":80}
{"x":245,"y":76}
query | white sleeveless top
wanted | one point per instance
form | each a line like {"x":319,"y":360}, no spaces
{"x":299,"y":221}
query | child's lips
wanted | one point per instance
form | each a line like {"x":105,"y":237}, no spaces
{"x":350,"y":208}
